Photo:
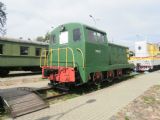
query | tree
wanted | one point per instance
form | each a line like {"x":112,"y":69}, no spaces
{"x":44,"y":39}
{"x":47,"y":37}
{"x":40,"y":39}
{"x":3,"y":18}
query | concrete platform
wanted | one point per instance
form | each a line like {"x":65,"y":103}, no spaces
{"x":99,"y":105}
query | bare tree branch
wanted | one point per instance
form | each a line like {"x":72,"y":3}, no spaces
{"x":3,"y":18}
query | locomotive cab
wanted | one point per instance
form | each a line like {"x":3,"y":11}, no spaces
{"x":65,"y":56}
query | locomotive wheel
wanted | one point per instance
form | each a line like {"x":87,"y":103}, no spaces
{"x":110,"y":77}
{"x":97,"y":78}
{"x":119,"y":74}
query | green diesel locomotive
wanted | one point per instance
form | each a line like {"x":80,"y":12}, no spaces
{"x":79,"y":54}
{"x":18,"y":54}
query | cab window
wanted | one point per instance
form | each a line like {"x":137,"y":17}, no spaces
{"x":63,"y":37}
{"x":1,"y":49}
{"x":100,"y":37}
{"x":76,"y":34}
{"x":92,"y":36}
{"x":53,"y":39}
{"x":23,"y":50}
{"x":95,"y":36}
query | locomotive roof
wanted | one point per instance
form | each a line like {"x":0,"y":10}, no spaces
{"x":117,"y":45}
{"x":87,"y":26}
{"x":22,"y":41}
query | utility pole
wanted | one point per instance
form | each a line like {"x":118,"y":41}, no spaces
{"x":92,"y":18}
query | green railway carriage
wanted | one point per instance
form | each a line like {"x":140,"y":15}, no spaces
{"x":79,"y":53}
{"x":17,"y":54}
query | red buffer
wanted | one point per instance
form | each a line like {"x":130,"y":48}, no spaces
{"x":60,"y":74}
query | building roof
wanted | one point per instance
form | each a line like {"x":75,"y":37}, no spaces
{"x":22,"y":41}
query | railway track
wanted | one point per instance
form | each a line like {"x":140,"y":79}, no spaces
{"x":60,"y":93}
{"x":55,"y":96}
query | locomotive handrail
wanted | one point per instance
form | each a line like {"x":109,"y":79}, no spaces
{"x":51,"y":58}
{"x":82,"y":55}
{"x":66,"y":57}
{"x":58,"y":59}
{"x":41,"y":60}
{"x":42,"y":52}
{"x":72,"y":56}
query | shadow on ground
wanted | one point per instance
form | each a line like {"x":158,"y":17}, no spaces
{"x":60,"y":115}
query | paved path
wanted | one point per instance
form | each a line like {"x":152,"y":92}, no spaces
{"x":99,"y":105}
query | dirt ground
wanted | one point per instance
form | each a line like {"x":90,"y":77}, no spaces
{"x":145,"y":107}
{"x":23,"y":81}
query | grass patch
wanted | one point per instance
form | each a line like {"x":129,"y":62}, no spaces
{"x":157,"y":87}
{"x":149,"y":99}
{"x":126,"y":118}
{"x":43,"y":79}
{"x":3,"y":115}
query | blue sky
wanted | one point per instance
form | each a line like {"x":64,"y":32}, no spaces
{"x":125,"y":21}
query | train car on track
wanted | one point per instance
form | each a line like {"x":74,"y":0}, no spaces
{"x":79,"y":54}
{"x":18,"y":54}
{"x":147,"y":56}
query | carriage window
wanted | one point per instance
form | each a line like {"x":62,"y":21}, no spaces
{"x":38,"y":51}
{"x":63,"y":37}
{"x":76,"y":34}
{"x":1,"y":49}
{"x":23,"y":50}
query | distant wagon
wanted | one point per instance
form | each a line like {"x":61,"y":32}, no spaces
{"x":147,"y":56}
{"x":18,"y":54}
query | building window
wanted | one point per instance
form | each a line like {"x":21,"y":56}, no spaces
{"x":139,"y":48}
{"x":76,"y":34}
{"x":1,"y":49}
{"x":38,"y":51}
{"x":23,"y":50}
